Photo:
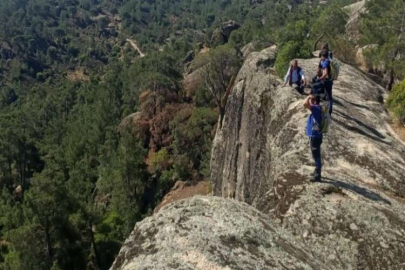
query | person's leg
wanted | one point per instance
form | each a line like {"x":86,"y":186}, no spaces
{"x":301,"y":88}
{"x":297,"y":86}
{"x":331,"y":98}
{"x":316,"y":154}
{"x":328,"y":88}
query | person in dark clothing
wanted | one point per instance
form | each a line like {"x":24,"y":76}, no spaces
{"x":317,"y":86}
{"x":325,"y":48}
{"x":295,"y":77}
{"x":325,"y":67}
{"x":314,"y":133}
{"x":317,"y":77}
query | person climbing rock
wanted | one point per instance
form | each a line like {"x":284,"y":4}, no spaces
{"x":295,"y":77}
{"x":313,"y":131}
{"x":325,"y":67}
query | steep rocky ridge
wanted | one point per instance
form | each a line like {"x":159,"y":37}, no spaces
{"x":354,"y":219}
{"x":261,"y":156}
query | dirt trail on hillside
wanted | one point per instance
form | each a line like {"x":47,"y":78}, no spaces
{"x":135,"y":46}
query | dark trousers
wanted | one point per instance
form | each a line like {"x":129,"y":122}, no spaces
{"x":299,"y":86}
{"x":315,"y":144}
{"x":328,"y":89}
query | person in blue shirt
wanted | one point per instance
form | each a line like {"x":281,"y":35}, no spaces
{"x":325,"y":67}
{"x":295,"y":77}
{"x":313,"y":131}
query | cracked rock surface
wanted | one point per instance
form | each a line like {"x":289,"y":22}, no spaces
{"x":213,"y":233}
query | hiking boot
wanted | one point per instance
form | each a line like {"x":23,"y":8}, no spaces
{"x":316,"y":176}
{"x":314,"y":173}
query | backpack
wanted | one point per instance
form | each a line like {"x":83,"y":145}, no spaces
{"x":326,"y":119}
{"x":323,"y":127}
{"x":334,"y":69}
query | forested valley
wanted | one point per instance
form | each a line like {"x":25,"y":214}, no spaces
{"x":97,"y":120}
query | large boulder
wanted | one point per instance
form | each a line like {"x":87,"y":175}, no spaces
{"x":221,"y":35}
{"x":228,"y":27}
{"x":211,"y":233}
{"x":253,"y":46}
{"x":260,"y":156}
{"x":192,"y":82}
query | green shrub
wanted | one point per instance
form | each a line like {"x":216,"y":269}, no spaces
{"x":291,"y":51}
{"x":159,"y":162}
{"x":73,"y":51}
{"x":344,"y":49}
{"x":396,"y":101}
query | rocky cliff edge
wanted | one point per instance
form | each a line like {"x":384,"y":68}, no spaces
{"x":356,"y":217}
{"x":270,"y":216}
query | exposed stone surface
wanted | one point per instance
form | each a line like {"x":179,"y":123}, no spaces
{"x":365,"y":64}
{"x":228,"y":27}
{"x":354,"y":219}
{"x":252,"y":46}
{"x":221,"y":35}
{"x":183,"y":190}
{"x":192,"y":82}
{"x":261,"y":156}
{"x":353,"y":24}
{"x":247,"y":49}
{"x":211,"y":233}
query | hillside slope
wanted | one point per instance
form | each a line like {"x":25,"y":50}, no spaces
{"x":355,"y":219}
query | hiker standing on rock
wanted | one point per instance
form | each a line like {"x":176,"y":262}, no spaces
{"x":295,"y":77}
{"x":325,"y":67}
{"x":314,"y":133}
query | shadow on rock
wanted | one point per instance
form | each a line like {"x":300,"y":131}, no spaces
{"x":359,"y":190}
{"x":375,"y":135}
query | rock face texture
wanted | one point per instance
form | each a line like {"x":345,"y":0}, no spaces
{"x":270,"y":216}
{"x":211,"y":233}
{"x":261,"y":156}
{"x":353,"y":24}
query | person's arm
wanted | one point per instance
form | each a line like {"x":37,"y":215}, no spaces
{"x":325,"y":73}
{"x":307,"y":104}
{"x":287,"y":77}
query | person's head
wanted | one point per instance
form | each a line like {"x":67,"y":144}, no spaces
{"x":324,"y":55}
{"x":315,"y":99}
{"x":294,"y":64}
{"x":325,"y":47}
